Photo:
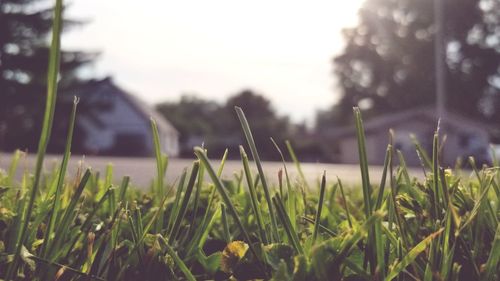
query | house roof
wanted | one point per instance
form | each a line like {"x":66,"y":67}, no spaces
{"x":425,"y":114}
{"x":143,"y":109}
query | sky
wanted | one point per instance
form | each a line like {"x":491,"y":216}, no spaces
{"x":161,"y":49}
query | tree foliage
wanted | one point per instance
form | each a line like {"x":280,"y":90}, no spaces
{"x":213,"y":124}
{"x":24,"y":29}
{"x":388,"y":62}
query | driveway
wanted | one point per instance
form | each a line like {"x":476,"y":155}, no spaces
{"x":142,"y":170}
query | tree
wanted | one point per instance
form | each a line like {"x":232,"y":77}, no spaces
{"x":263,"y":120}
{"x":24,"y":29}
{"x":217,"y":126}
{"x":196,"y":120}
{"x":388,"y":62}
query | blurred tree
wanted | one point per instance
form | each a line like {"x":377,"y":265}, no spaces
{"x":25,"y":27}
{"x":388,"y":61}
{"x":217,"y":126}
{"x":195,"y":119}
{"x":263,"y":120}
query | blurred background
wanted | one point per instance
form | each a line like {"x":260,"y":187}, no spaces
{"x":295,"y":67}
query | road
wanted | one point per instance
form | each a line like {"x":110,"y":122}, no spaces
{"x":142,"y":170}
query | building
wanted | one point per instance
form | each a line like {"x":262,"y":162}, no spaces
{"x":463,"y":137}
{"x":114,"y":122}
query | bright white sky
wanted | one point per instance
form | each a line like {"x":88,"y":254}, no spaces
{"x":160,"y":49}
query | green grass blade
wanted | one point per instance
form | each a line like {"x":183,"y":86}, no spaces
{"x":84,"y":275}
{"x":52,"y":76}
{"x":426,"y":161}
{"x":387,"y":163}
{"x":285,"y":220}
{"x":123,"y":188}
{"x":105,"y":243}
{"x":367,"y":190}
{"x":185,"y":201}
{"x":357,"y":235}
{"x":323,"y":228}
{"x":86,"y":226}
{"x":328,"y":266}
{"x":13,"y":167}
{"x":108,"y":177}
{"x":475,"y":210}
{"x":394,"y":210}
{"x":14,"y":237}
{"x":60,"y":182}
{"x":177,"y":260}
{"x":357,"y":269}
{"x":363,"y":162}
{"x":225,"y":224}
{"x":176,"y":205}
{"x":379,"y":250}
{"x":447,"y":251}
{"x":141,"y":234}
{"x":292,"y":212}
{"x":412,"y":255}
{"x":158,"y":156}
{"x":320,"y":206}
{"x":222,"y":163}
{"x":297,"y":163}
{"x":160,"y":172}
{"x":208,"y":218}
{"x":202,"y":231}
{"x":379,"y":240}
{"x":493,"y":264}
{"x":253,"y":196}
{"x":201,"y":154}
{"x":69,"y":212}
{"x":255,"y":154}
{"x":348,"y":215}
{"x":197,"y":195}
{"x":435,"y":173}
{"x":205,"y":228}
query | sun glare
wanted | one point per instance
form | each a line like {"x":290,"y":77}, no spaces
{"x":215,"y":48}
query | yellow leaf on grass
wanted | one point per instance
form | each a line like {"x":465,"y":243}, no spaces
{"x":232,"y":254}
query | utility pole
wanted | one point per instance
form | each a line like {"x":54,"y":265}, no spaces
{"x":439,"y":57}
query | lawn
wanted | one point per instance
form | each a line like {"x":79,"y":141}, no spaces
{"x":56,"y":227}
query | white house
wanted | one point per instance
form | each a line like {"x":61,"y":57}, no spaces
{"x":464,"y":137}
{"x":115,"y":122}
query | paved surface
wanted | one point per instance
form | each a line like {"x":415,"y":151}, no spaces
{"x":142,"y":170}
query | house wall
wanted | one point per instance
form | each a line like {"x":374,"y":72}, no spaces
{"x":96,"y":138}
{"x":377,"y":141}
{"x":465,"y":142}
{"x":348,"y":151}
{"x":423,"y":132}
{"x":375,"y":149}
{"x":170,"y":143}
{"x":461,"y":141}
{"x":122,"y":127}
{"x":119,"y":122}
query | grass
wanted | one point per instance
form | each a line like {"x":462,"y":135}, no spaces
{"x":442,"y":228}
{"x":84,"y":227}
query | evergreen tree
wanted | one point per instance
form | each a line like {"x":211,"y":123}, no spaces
{"x":25,"y":27}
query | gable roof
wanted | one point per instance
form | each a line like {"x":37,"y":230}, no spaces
{"x":425,"y":114}
{"x":144,"y":110}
